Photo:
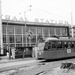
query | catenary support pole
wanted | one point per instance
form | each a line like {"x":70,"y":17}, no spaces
{"x":1,"y":40}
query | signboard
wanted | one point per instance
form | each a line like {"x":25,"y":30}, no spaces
{"x":64,"y":37}
{"x":30,"y":34}
{"x":68,"y":50}
{"x":8,"y":17}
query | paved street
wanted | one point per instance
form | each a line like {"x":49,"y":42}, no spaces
{"x":30,"y":66}
{"x":10,"y":64}
{"x":49,"y":68}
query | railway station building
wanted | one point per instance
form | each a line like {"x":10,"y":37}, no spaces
{"x":22,"y":34}
{"x":72,"y":31}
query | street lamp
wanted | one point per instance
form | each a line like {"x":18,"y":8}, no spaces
{"x":8,"y":40}
{"x":25,"y":22}
{"x":1,"y":39}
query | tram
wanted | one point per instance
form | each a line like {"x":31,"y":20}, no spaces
{"x":55,"y":48}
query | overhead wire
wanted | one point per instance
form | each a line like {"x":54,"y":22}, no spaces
{"x":43,"y":10}
{"x":49,"y":12}
{"x":24,"y":2}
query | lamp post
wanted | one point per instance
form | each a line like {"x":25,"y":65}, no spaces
{"x":8,"y":40}
{"x":25,"y":22}
{"x":1,"y":37}
{"x":25,"y":26}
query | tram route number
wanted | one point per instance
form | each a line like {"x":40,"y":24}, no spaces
{"x":68,"y":50}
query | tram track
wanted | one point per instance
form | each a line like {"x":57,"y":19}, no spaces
{"x":24,"y":68}
{"x":15,"y":69}
{"x":47,"y":70}
{"x":56,"y":67}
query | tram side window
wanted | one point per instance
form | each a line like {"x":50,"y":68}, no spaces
{"x":49,"y":45}
{"x":69,"y":44}
{"x":53,"y":44}
{"x":73,"y":45}
{"x":65,"y":44}
{"x":59,"y":44}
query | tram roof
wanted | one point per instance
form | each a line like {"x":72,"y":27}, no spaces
{"x":50,"y":38}
{"x":60,"y":39}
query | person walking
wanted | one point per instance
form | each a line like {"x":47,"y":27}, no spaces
{"x":36,"y":48}
{"x":7,"y":55}
{"x":33,"y":52}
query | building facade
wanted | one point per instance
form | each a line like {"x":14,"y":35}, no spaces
{"x":22,"y":34}
{"x":72,"y":31}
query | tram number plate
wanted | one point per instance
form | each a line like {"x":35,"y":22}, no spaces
{"x":68,"y":50}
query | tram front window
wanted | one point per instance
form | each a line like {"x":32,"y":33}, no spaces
{"x":59,"y":45}
{"x":41,"y":46}
{"x":48,"y":45}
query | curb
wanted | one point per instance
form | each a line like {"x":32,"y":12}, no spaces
{"x":15,"y":60}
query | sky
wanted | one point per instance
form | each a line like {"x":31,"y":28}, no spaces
{"x":41,"y":9}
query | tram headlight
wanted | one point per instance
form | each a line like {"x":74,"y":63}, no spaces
{"x":40,"y":53}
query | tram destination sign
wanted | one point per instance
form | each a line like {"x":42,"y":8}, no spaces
{"x":7,"y":17}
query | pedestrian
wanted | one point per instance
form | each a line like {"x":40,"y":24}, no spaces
{"x":33,"y":52}
{"x":36,"y":48}
{"x":7,"y":55}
